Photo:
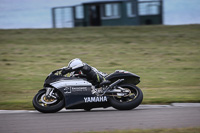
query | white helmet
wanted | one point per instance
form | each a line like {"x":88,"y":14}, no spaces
{"x":75,"y":63}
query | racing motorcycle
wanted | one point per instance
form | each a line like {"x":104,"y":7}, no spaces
{"x":75,"y":92}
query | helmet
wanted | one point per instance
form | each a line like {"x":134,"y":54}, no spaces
{"x":75,"y":63}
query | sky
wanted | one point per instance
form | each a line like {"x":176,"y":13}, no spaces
{"x":16,"y":14}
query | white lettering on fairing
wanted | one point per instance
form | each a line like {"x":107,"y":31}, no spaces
{"x":95,"y":99}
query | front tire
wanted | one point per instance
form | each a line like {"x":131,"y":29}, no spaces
{"x":87,"y":109}
{"x":51,"y":106}
{"x":129,"y":102}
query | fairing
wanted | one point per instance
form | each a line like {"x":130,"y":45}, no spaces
{"x":77,"y":92}
{"x":128,"y":77}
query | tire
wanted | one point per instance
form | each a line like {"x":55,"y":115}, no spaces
{"x":130,"y":103}
{"x":87,"y":109}
{"x":48,"y":108}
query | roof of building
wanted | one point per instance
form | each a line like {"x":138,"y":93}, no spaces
{"x":104,"y":1}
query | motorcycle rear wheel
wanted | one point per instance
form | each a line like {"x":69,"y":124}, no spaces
{"x":129,"y":102}
{"x":44,"y":105}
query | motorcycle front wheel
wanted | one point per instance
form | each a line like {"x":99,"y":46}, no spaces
{"x":130,"y":101}
{"x":48,"y":105}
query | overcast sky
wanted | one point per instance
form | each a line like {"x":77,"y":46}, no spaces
{"x":37,"y":13}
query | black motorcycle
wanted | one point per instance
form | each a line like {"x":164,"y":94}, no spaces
{"x":76,"y":92}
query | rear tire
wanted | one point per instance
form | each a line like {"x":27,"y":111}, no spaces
{"x":47,"y":108}
{"x":130,"y":103}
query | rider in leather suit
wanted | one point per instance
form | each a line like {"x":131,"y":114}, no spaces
{"x":92,"y":74}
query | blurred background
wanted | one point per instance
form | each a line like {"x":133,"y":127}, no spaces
{"x":37,"y":13}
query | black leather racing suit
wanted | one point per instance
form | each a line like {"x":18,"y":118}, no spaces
{"x":91,"y":73}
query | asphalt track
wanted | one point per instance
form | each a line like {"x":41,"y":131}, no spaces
{"x":143,"y":117}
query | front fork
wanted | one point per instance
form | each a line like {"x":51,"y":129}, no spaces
{"x":49,"y":93}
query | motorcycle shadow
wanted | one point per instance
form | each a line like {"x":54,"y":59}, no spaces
{"x":95,"y":110}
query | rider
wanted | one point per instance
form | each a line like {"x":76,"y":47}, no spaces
{"x":92,"y":74}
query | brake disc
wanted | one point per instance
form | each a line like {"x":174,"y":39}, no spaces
{"x":47,"y":100}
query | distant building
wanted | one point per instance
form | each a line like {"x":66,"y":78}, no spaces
{"x":109,"y":13}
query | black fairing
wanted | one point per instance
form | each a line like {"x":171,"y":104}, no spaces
{"x":128,"y":77}
{"x":53,"y":78}
{"x":75,"y":99}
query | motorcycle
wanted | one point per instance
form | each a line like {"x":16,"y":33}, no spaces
{"x":75,"y":92}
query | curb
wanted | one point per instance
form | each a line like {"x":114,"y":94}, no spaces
{"x":186,"y":104}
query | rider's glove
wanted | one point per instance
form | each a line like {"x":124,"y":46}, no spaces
{"x":66,"y":70}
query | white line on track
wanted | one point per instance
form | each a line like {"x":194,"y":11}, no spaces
{"x":110,"y":108}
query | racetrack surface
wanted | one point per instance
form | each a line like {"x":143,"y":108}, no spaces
{"x":143,"y":117}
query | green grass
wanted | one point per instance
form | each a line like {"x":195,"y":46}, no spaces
{"x":167,"y":58}
{"x":175,"y":130}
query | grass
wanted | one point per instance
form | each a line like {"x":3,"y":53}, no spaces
{"x":176,"y":130}
{"x":167,"y":58}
